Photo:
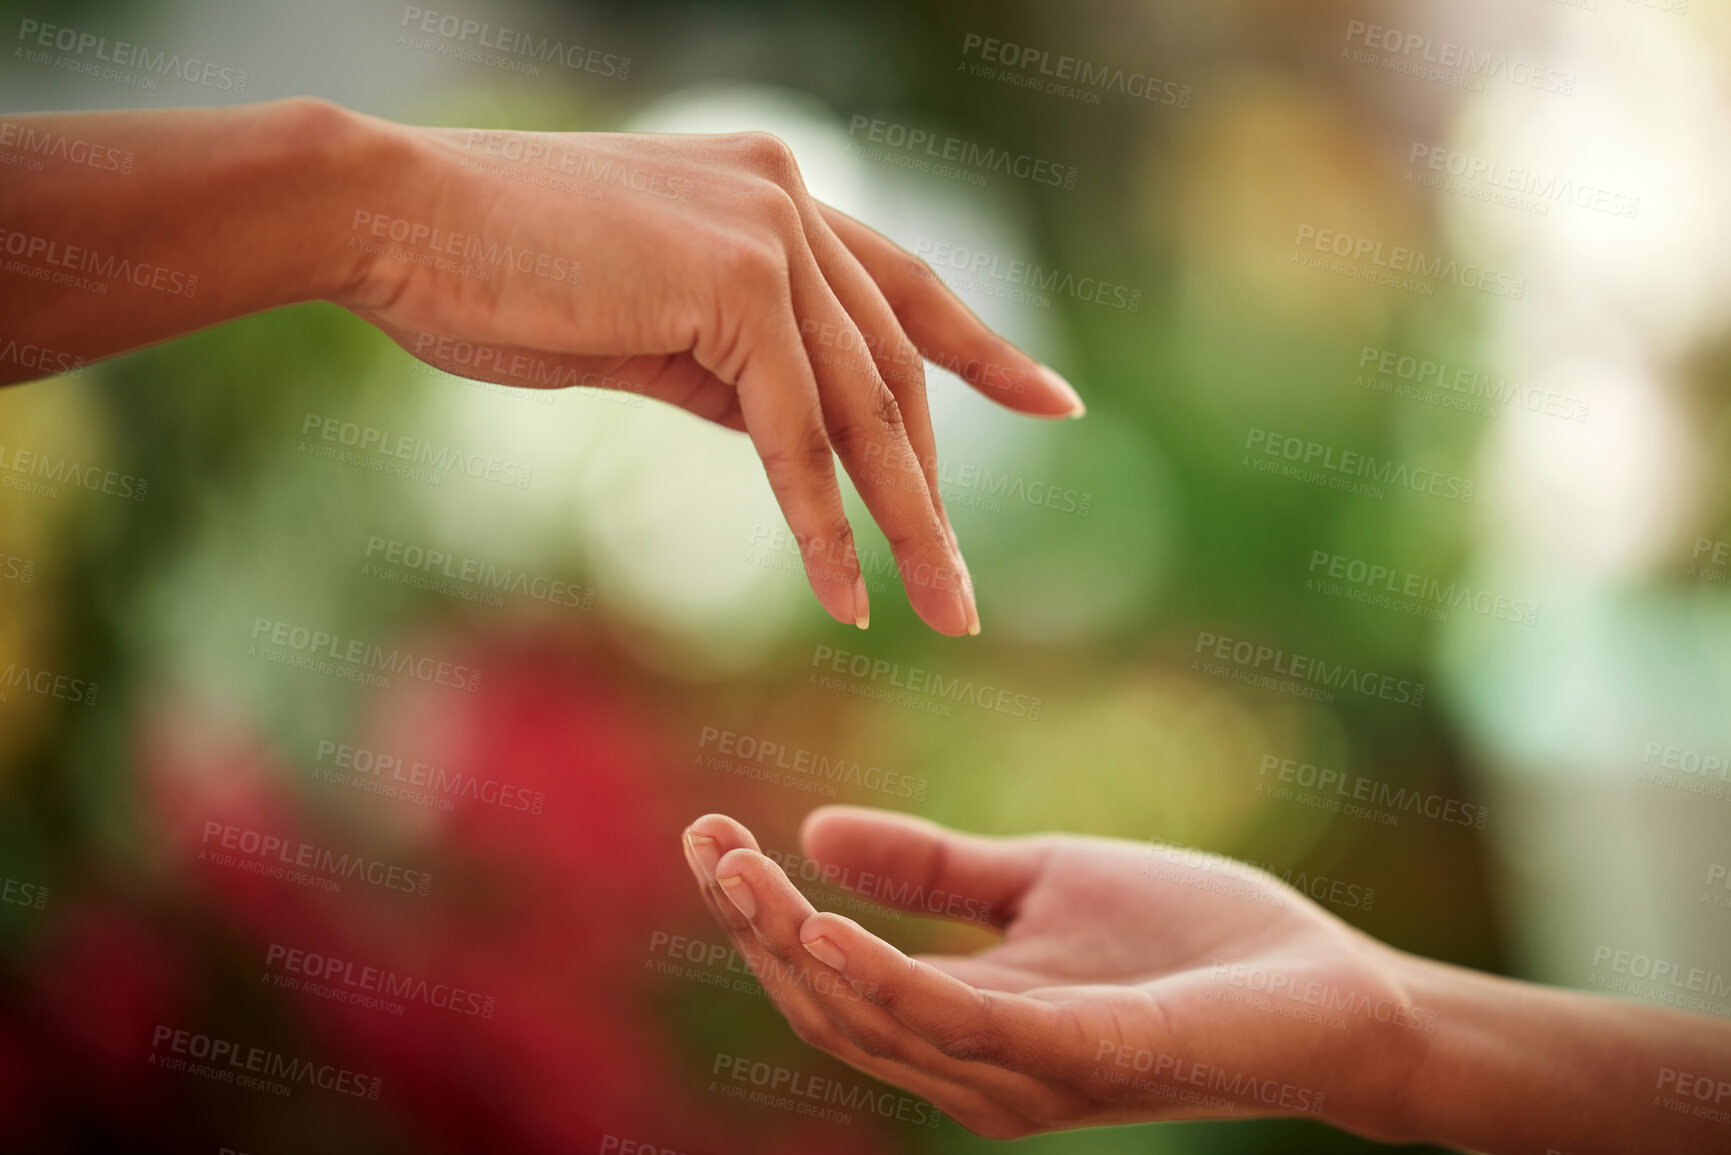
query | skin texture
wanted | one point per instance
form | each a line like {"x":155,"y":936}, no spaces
{"x":695,"y":269}
{"x":1138,"y":983}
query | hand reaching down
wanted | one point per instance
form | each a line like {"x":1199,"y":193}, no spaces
{"x":695,"y":269}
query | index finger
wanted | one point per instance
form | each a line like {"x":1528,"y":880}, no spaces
{"x":946,"y":331}
{"x":778,"y":399}
{"x":1010,"y":1031}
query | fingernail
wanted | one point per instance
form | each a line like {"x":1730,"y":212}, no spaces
{"x":970,"y":608}
{"x":1056,"y":380}
{"x":826,"y":952}
{"x":703,"y":850}
{"x":862,"y":606}
{"x":733,"y":886}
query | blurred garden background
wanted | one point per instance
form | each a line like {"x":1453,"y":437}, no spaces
{"x":1575,"y":381}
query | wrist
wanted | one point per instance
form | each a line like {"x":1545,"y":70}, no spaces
{"x":338,"y":164}
{"x":1401,"y":1014}
{"x":1462,"y":1082}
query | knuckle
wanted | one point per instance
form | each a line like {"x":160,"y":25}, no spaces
{"x":880,"y":421}
{"x":966,"y":1045}
{"x":809,"y":452}
{"x":851,"y":436}
{"x":782,"y":961}
{"x":774,"y":205}
{"x":886,"y":410}
{"x":770,"y":155}
{"x":975,"y":1038}
{"x":754,"y":263}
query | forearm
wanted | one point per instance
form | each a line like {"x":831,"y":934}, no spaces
{"x":190,"y":218}
{"x":1516,"y":1067}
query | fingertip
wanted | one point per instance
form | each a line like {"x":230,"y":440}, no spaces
{"x":739,"y":860}
{"x":1055,"y":383}
{"x":828,"y":924}
{"x":1035,"y":390}
{"x":726,"y":833}
{"x":832,"y":569}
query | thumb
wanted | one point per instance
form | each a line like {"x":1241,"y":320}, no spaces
{"x":913,"y":864}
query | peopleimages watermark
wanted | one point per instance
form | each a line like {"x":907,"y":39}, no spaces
{"x":1688,"y":1093}
{"x":988,"y":275}
{"x":47,"y":683}
{"x":776,"y":548}
{"x":226,"y":1061}
{"x":1347,"y":470}
{"x":1718,"y":872}
{"x":544,"y":160}
{"x":719,"y":965}
{"x":506,"y":48}
{"x":1709,"y":559}
{"x":29,"y":147}
{"x":879,"y":888}
{"x":394,"y":776}
{"x":1448,"y":62}
{"x":1195,"y":862}
{"x":829,"y":559}
{"x":1178,"y":1078}
{"x":1661,"y":980}
{"x":829,"y":344}
{"x":811,"y":877}
{"x":1388,"y":587}
{"x":1529,"y":190}
{"x":1669,"y":7}
{"x":1453,"y":387}
{"x":1355,"y":795}
{"x":32,"y":895}
{"x":40,"y":358}
{"x":974,"y":486}
{"x":1345,"y":254}
{"x":780,"y":763}
{"x":518,"y":375}
{"x":303,"y":863}
{"x":352,"y":659}
{"x":1024,"y":66}
{"x":1298,"y":674}
{"x":618,"y":1145}
{"x":832,"y":1100}
{"x":382,"y":451}
{"x":71,"y":266}
{"x":922,"y":150}
{"x":340,"y":980}
{"x":470,"y":579}
{"x":525,"y":375}
{"x":93,"y":55}
{"x":1212,"y":873}
{"x":1301,"y":997}
{"x":42,"y":475}
{"x":17,"y":569}
{"x":925,"y":690}
{"x":1691,"y":771}
{"x":466,"y":254}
